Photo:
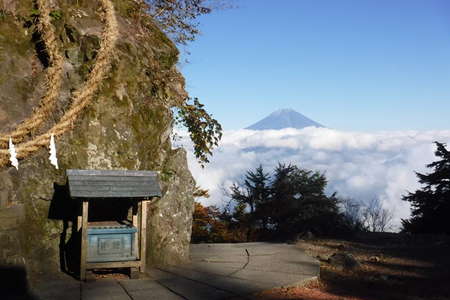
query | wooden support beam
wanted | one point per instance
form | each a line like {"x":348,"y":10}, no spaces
{"x":79,"y":223}
{"x":113,"y":264}
{"x":84,"y":240}
{"x":143,"y":234}
{"x":135,"y":219}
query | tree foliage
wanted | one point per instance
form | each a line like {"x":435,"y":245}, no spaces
{"x":290,"y":201}
{"x":283,"y":204}
{"x":204,"y":131}
{"x":208,"y":226}
{"x":178,"y":18}
{"x":431,"y":204}
{"x":300,"y":201}
{"x":253,"y":193}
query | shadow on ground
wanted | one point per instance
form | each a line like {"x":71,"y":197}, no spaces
{"x":408,"y":268}
{"x":14,"y":284}
{"x":217,"y":271}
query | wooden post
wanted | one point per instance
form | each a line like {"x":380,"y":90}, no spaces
{"x":79,"y":222}
{"x":143,"y":234}
{"x":135,"y":219}
{"x":84,"y":241}
{"x":80,"y":218}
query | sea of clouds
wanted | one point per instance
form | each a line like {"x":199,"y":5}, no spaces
{"x":357,"y":164}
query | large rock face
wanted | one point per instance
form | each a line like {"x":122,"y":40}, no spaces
{"x":127,"y":126}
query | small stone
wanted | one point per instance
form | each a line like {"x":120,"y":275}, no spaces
{"x":344,"y":261}
{"x":374,"y":259}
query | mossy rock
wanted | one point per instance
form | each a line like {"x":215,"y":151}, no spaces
{"x":127,"y":126}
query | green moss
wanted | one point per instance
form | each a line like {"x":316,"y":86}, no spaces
{"x":168,"y":59}
{"x":56,"y":15}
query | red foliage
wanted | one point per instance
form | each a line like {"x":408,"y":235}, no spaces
{"x":207,"y":226}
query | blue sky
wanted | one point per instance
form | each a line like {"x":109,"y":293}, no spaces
{"x":363,"y":65}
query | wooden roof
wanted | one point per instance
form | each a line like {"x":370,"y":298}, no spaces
{"x":113,"y":184}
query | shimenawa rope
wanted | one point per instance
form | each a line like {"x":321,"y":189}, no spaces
{"x":52,"y":82}
{"x":83,"y":96}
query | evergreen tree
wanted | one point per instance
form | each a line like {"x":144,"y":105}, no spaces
{"x":299,"y":202}
{"x":252,"y":193}
{"x":431,"y":204}
{"x":293,"y":200}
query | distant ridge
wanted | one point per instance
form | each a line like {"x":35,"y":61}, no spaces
{"x":284,"y":118}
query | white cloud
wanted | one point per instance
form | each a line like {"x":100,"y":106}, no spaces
{"x":358,"y":165}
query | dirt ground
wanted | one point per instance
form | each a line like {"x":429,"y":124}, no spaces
{"x":393,"y":266}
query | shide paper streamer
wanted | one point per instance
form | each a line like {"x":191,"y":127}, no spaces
{"x":13,"y":154}
{"x":52,"y":157}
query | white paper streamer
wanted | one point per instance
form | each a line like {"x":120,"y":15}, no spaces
{"x":13,"y":154}
{"x":52,"y":157}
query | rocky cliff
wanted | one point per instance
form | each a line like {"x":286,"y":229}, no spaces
{"x":105,"y":88}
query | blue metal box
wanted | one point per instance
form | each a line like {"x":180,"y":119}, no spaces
{"x":111,"y":243}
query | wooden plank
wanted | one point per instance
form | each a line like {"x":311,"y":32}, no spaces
{"x":114,"y":191}
{"x":117,"y":188}
{"x":138,"y":235}
{"x":84,"y":240}
{"x":135,"y":220}
{"x":113,"y":178}
{"x":111,"y":195}
{"x":75,"y":172}
{"x":113,"y":264}
{"x":79,"y":222}
{"x":75,"y":186}
{"x":113,"y":183}
{"x":79,"y":217}
{"x":107,"y":183}
{"x":143,"y":234}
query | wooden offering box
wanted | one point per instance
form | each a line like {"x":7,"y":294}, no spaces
{"x":111,"y":242}
{"x":121,"y":241}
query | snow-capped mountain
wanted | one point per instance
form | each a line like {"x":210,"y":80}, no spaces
{"x":284,"y":118}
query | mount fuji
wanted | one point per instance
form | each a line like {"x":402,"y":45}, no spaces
{"x":284,"y":118}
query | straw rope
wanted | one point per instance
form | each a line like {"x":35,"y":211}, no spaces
{"x":53,"y":79}
{"x":84,"y":95}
